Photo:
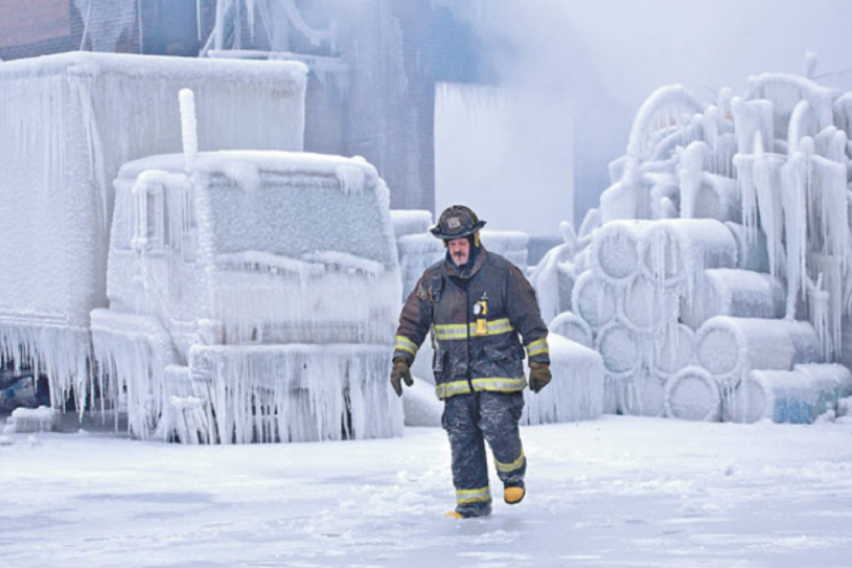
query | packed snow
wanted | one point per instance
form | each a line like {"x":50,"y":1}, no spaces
{"x":619,"y":491}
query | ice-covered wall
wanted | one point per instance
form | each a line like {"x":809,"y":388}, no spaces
{"x":67,"y":122}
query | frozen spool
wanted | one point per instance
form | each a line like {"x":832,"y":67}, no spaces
{"x":645,"y":305}
{"x":737,"y":293}
{"x":620,"y":349}
{"x":730,"y":347}
{"x":576,"y":392}
{"x":643,"y":394}
{"x":693,"y":394}
{"x":573,"y":327}
{"x":593,"y":300}
{"x":674,"y":251}
{"x":833,"y":381}
{"x":614,"y":249}
{"x":779,"y":396}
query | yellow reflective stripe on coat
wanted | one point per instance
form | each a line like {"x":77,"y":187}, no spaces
{"x":499,"y":384}
{"x":537,"y":347}
{"x":405,"y":344}
{"x":472,"y":495}
{"x":445,"y":390}
{"x":510,"y":467}
{"x":461,"y":330}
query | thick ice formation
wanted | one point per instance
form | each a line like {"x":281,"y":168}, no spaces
{"x":68,"y":122}
{"x":254,"y":299}
{"x":735,"y":207}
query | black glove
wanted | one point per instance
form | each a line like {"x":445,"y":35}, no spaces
{"x":400,"y":371}
{"x":539,"y":376}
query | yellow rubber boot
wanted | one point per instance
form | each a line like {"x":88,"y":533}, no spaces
{"x":513,"y":495}
{"x":453,"y":515}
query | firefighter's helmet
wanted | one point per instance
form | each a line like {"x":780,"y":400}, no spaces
{"x":457,"y":222}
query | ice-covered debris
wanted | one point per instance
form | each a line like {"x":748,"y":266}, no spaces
{"x":26,"y":420}
{"x":735,"y":292}
{"x":593,"y":300}
{"x":6,"y":440}
{"x":576,"y":391}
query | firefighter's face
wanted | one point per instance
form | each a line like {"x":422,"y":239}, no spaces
{"x":459,"y":251}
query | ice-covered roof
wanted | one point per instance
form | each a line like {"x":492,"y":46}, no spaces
{"x":89,"y":63}
{"x":353,"y":173}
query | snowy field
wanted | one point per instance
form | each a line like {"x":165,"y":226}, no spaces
{"x":621,"y":491}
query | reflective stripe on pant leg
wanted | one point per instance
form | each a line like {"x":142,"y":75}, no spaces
{"x":499,"y":416}
{"x":470,"y":465}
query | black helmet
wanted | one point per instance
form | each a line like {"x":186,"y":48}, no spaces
{"x":456,"y":222}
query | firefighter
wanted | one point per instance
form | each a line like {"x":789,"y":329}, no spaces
{"x":478,"y":306}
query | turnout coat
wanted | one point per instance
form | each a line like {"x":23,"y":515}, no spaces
{"x":476,"y":315}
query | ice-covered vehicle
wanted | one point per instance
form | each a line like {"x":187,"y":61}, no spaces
{"x":251,"y":299}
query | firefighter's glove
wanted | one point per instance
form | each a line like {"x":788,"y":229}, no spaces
{"x":402,"y":371}
{"x":539,"y":376}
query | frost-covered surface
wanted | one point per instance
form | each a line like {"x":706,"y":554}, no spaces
{"x":629,"y":490}
{"x":722,"y":247}
{"x":253,"y":297}
{"x":69,"y":121}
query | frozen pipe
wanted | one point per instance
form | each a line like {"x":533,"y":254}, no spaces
{"x":716,"y":197}
{"x":731,"y":347}
{"x":189,"y":128}
{"x":591,"y":222}
{"x":573,"y":327}
{"x":620,"y":348}
{"x":667,"y":105}
{"x":752,"y":119}
{"x":693,"y":394}
{"x":674,"y":252}
{"x":768,"y":394}
{"x":577,"y":390}
{"x":645,"y":306}
{"x":786,"y":90}
{"x":673,"y":351}
{"x":615,"y":250}
{"x":735,"y":292}
{"x":751,"y":247}
{"x":593,"y":300}
{"x":802,"y":123}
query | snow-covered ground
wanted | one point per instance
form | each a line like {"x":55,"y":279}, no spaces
{"x":620,"y":491}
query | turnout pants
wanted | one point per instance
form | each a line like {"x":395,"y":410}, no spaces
{"x":470,"y":420}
